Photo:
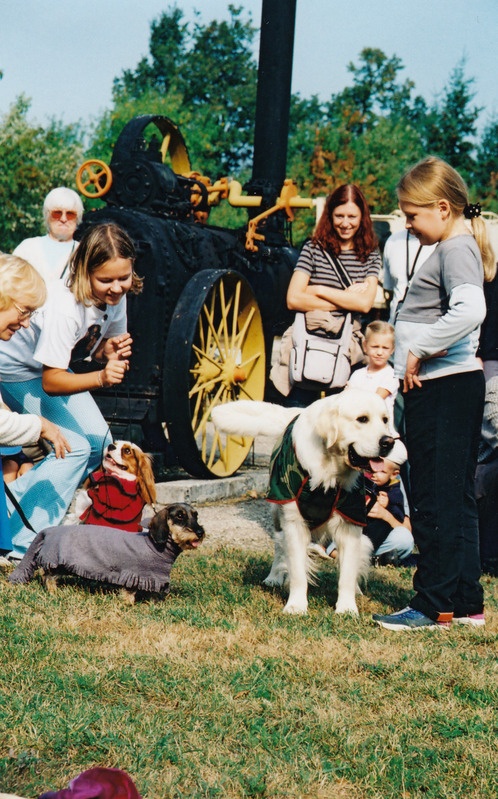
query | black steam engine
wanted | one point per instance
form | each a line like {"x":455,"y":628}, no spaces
{"x":213,"y":298}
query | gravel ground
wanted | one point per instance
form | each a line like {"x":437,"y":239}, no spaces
{"x":241,"y":524}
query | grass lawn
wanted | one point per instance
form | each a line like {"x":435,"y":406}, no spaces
{"x":215,"y":693}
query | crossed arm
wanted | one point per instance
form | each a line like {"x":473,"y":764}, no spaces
{"x":303,"y":297}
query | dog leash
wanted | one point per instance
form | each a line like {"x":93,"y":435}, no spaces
{"x":18,"y":508}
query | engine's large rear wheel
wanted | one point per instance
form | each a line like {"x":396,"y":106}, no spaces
{"x":215,"y":353}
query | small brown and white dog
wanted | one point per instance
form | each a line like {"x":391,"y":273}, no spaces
{"x":116,"y":494}
{"x":314,"y":483}
{"x":139,"y":562}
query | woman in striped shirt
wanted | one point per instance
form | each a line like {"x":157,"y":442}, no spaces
{"x":344,"y":234}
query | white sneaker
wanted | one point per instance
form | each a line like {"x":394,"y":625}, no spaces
{"x":474,"y":620}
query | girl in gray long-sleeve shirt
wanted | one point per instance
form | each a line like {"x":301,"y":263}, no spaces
{"x":436,"y":340}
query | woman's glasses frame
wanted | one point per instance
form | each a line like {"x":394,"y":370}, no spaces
{"x":23,"y":313}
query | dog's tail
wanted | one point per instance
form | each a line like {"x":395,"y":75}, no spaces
{"x":252,"y":418}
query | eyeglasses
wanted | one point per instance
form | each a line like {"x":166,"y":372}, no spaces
{"x":23,"y":314}
{"x":57,"y":215}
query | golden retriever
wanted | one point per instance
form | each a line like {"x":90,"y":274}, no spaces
{"x":314,"y":483}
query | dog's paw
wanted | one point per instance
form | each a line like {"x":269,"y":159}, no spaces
{"x":296,"y":609}
{"x":274,"y":582}
{"x":347,"y":607}
{"x":50,"y":583}
{"x":127,"y":596}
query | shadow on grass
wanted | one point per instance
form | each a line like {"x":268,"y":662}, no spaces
{"x":97,"y":588}
{"x":386,"y":585}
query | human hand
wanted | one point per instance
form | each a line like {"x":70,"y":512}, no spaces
{"x":377,"y":511}
{"x":411,"y":378}
{"x":357,"y":288}
{"x":383,"y":499}
{"x":52,"y":433}
{"x":114,"y":372}
{"x":118,"y":347}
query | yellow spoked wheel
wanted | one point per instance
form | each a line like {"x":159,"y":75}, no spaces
{"x":215,"y":353}
{"x":94,"y":178}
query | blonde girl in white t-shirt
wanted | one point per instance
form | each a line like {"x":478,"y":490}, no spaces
{"x":83,"y":318}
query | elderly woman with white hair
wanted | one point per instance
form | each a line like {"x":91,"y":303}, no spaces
{"x":50,"y":254}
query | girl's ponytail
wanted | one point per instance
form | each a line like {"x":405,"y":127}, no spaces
{"x":488,"y":256}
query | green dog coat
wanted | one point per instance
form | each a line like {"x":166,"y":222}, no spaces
{"x":289,"y":482}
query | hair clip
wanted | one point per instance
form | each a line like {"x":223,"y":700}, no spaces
{"x":472,"y":211}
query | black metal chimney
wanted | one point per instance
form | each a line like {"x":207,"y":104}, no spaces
{"x":273,"y":98}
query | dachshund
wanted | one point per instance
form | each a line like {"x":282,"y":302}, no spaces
{"x":140,"y":562}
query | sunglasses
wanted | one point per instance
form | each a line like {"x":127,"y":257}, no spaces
{"x":57,"y":215}
{"x":22,"y":313}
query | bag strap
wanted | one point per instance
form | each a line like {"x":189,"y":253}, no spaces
{"x":410,"y":271}
{"x":18,"y":508}
{"x":341,"y":272}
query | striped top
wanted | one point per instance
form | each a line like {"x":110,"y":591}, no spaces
{"x":320,"y":267}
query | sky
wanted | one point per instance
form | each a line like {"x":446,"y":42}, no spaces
{"x":65,"y":55}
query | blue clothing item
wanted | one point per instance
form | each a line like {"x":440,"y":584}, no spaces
{"x":398,"y":541}
{"x":411,"y":619}
{"x":378,"y":529}
{"x":45,"y":492}
{"x":5,"y":539}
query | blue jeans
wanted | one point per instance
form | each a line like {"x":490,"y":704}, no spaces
{"x":398,"y":541}
{"x":443,"y":424}
{"x":46,"y":491}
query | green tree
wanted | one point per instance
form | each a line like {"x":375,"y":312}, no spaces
{"x":201,"y":76}
{"x":452,"y":122}
{"x":367,"y":134}
{"x":485,"y":174}
{"x":34,"y":160}
{"x":376,"y":92}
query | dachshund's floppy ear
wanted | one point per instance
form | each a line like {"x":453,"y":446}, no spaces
{"x":327,"y":426}
{"x":146,"y":484}
{"x":158,"y":527}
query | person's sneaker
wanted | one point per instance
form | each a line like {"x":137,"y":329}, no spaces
{"x":474,"y":620}
{"x":408,"y":619}
{"x":388,"y":559}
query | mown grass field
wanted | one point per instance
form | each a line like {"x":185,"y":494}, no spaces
{"x":215,"y":693}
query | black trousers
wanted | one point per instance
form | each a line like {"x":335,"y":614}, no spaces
{"x":487,"y":506}
{"x":443,"y":424}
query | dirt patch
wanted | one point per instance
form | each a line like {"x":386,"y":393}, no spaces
{"x":244,"y":524}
